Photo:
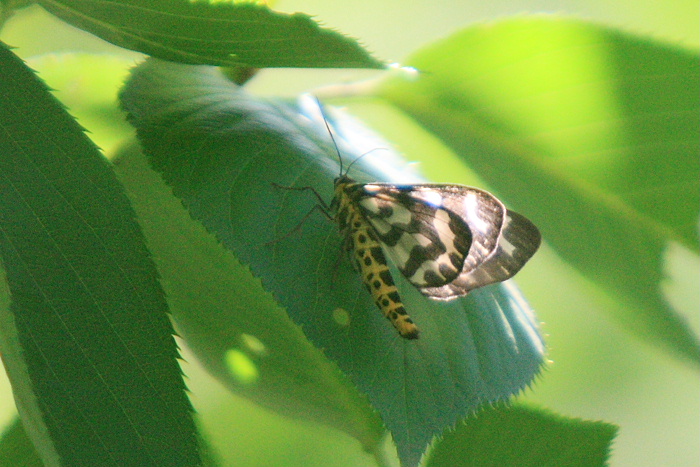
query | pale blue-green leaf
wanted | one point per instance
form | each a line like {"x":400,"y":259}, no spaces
{"x":221,"y":150}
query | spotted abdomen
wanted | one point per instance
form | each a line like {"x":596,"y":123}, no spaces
{"x":372,"y":265}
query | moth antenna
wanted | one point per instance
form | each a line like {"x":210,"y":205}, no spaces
{"x":337,"y":150}
{"x":360,"y":157}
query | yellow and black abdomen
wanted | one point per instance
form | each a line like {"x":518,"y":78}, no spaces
{"x":372,"y":265}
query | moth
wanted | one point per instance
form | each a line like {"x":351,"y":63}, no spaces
{"x":446,"y":240}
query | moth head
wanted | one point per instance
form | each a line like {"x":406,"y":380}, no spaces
{"x":342,"y":179}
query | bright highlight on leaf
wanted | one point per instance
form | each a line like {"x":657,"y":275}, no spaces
{"x":242,"y":367}
{"x":341,"y":316}
{"x":254,"y":344}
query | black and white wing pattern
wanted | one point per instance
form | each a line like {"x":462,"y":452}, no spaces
{"x":447,"y":239}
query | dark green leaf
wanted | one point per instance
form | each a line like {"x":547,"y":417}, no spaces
{"x":591,"y":133}
{"x":523,"y":437}
{"x":221,"y":150}
{"x":86,"y":340}
{"x":217,"y":33}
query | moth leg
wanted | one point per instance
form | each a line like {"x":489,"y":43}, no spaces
{"x":321,"y":206}
{"x":320,"y":200}
{"x":347,"y":249}
{"x":297,"y":228}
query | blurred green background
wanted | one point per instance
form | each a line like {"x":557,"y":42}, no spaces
{"x":597,"y":372}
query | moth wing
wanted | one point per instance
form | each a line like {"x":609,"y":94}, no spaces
{"x":503,"y":241}
{"x":428,"y":243}
{"x":448,"y":239}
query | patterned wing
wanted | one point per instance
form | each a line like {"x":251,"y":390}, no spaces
{"x":447,"y":239}
{"x":516,"y":241}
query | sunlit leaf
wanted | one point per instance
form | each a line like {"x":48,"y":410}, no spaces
{"x":590,"y":132}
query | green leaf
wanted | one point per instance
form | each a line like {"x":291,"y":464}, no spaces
{"x":590,"y":132}
{"x":221,"y":150}
{"x":521,"y":436}
{"x":220,"y":33}
{"x":16,"y":449}
{"x":86,"y":340}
